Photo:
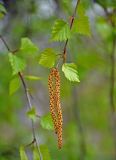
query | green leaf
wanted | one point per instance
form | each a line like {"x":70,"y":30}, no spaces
{"x":82,"y":26}
{"x":28,"y":47}
{"x":48,"y":58}
{"x":2,"y":9}
{"x":32,"y":113}
{"x":23,"y":155}
{"x":46,"y":122}
{"x":44,"y":152}
{"x":14,"y":85}
{"x":17,"y":63}
{"x":36,"y":155}
{"x":60,"y":31}
{"x":81,"y":10}
{"x":34,"y":78}
{"x":70,"y":72}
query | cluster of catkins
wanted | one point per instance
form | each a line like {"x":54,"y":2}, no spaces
{"x":55,"y":106}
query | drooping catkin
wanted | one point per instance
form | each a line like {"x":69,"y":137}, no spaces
{"x":55,"y":106}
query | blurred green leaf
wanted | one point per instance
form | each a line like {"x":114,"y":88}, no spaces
{"x":48,"y":58}
{"x":32,"y":113}
{"x":2,"y":10}
{"x":44,"y":153}
{"x":81,"y":9}
{"x":60,"y":31}
{"x":17,"y":63}
{"x":34,"y":78}
{"x":70,"y":72}
{"x":82,"y":26}
{"x":46,"y":122}
{"x":107,"y":3}
{"x":23,"y":155}
{"x":36,"y":155}
{"x":14,"y":85}
{"x":28,"y":47}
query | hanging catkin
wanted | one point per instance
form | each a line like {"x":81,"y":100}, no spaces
{"x":55,"y":106}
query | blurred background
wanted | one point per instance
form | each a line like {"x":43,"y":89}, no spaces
{"x":87,"y":112}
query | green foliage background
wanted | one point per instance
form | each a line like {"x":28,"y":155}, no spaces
{"x":84,"y":104}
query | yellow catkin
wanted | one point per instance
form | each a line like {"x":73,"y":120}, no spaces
{"x":55,"y":106}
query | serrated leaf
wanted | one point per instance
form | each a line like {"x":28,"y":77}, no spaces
{"x":17,"y":63}
{"x":46,"y":122}
{"x":70,"y":72}
{"x":48,"y":58}
{"x":28,"y":47}
{"x":32,"y":113}
{"x":60,"y":31}
{"x":82,"y":26}
{"x":44,"y":152}
{"x":23,"y":155}
{"x":34,"y":78}
{"x":14,"y":85}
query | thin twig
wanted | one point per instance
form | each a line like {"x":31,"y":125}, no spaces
{"x":28,"y":100}
{"x":71,"y":25}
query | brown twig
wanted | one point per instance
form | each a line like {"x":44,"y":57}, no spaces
{"x":28,"y":100}
{"x":71,"y":25}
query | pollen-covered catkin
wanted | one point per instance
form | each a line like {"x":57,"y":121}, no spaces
{"x":51,"y":95}
{"x":55,"y":106}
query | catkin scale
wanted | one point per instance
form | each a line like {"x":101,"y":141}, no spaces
{"x":55,"y":106}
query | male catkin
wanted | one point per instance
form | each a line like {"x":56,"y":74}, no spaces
{"x":55,"y":106}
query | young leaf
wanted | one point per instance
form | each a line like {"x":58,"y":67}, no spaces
{"x":28,"y":47}
{"x":48,"y":58}
{"x":44,"y":152}
{"x":46,"y":122}
{"x":60,"y":31}
{"x":82,"y":26}
{"x":32,"y":114}
{"x":34,"y":78}
{"x":70,"y":72}
{"x":14,"y":85}
{"x":17,"y":63}
{"x":23,"y":155}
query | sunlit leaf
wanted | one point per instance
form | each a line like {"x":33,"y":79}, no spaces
{"x":70,"y":72}
{"x":23,"y":155}
{"x":46,"y":122}
{"x":14,"y":85}
{"x":82,"y":26}
{"x":48,"y":58}
{"x":60,"y":31}
{"x":32,"y":113}
{"x":17,"y":63}
{"x":28,"y":47}
{"x":80,"y":9}
{"x":34,"y":78}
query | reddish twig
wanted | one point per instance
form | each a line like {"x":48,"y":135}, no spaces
{"x":71,"y":25}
